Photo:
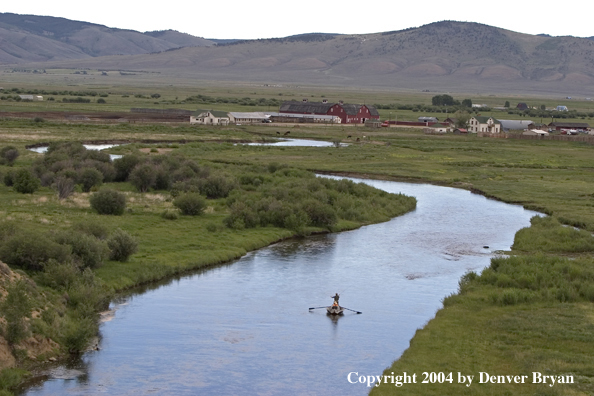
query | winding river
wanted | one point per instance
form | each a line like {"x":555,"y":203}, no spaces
{"x":245,"y":328}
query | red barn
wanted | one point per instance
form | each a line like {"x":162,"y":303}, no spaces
{"x":348,"y":113}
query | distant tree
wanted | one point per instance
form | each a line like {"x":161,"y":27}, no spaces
{"x":444,"y":100}
{"x":101,"y":101}
{"x":506,"y":103}
{"x":462,"y":118}
{"x":467,"y":103}
{"x":155,"y":96}
{"x":543,"y":107}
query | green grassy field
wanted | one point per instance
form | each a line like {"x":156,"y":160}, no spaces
{"x":123,"y":89}
{"x":503,"y":322}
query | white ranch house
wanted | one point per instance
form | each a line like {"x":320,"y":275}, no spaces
{"x":484,"y":124}
{"x":207,"y":117}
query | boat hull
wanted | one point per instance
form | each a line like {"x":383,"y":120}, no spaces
{"x":334,"y":310}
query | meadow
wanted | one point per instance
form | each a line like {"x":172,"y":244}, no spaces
{"x":531,"y":311}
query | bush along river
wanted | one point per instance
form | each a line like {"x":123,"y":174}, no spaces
{"x":246,"y":328}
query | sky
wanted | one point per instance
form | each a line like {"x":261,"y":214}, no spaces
{"x":241,"y":19}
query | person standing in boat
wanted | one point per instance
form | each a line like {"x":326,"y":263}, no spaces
{"x":336,"y":297}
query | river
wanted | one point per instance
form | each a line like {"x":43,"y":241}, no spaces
{"x":246,"y":328}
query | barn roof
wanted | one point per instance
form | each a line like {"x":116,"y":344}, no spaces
{"x":305,"y":107}
{"x":323,"y":108}
{"x":515,"y":124}
{"x":253,"y":115}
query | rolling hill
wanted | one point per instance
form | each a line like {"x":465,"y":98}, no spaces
{"x":441,"y":56}
{"x":31,"y":38}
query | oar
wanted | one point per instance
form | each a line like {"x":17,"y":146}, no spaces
{"x":317,"y":307}
{"x":358,"y":312}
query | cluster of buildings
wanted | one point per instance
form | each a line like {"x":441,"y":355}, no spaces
{"x":294,"y":112}
{"x":344,"y":113}
{"x":482,"y":124}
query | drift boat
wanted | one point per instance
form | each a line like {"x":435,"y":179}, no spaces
{"x":334,"y":309}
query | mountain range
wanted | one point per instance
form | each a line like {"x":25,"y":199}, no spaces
{"x":441,"y":56}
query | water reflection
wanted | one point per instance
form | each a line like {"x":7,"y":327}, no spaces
{"x":297,"y":142}
{"x":246,"y":329}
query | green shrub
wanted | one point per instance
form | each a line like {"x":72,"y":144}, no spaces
{"x":143,"y":177}
{"x":8,"y":155}
{"x":124,"y":166}
{"x":162,"y":179}
{"x":320,"y":214}
{"x":86,"y":249}
{"x":108,"y":202}
{"x":77,"y":332}
{"x":121,"y":245}
{"x":64,"y":186}
{"x":8,"y":178}
{"x":216,"y":186}
{"x":25,"y":183}
{"x":89,"y":178}
{"x":93,"y":228}
{"x":169,"y":214}
{"x":31,"y":250}
{"x":15,"y":308}
{"x":191,"y":204}
{"x":59,"y":276}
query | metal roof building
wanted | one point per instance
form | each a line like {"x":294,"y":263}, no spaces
{"x":519,"y":125}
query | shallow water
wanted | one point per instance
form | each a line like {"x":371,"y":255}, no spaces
{"x":99,"y":147}
{"x":297,"y":142}
{"x":245,"y":328}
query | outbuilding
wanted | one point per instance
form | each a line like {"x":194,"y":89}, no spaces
{"x":248,"y":118}
{"x":558,"y":125}
{"x":516,"y":125}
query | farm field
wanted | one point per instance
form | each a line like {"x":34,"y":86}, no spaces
{"x":131,"y":91}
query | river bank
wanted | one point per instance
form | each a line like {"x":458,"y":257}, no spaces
{"x":252,"y":316}
{"x":171,"y":246}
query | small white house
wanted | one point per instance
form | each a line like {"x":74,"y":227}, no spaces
{"x":207,"y":117}
{"x":561,"y":108}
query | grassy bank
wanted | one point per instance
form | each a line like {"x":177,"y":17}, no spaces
{"x":525,"y":314}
